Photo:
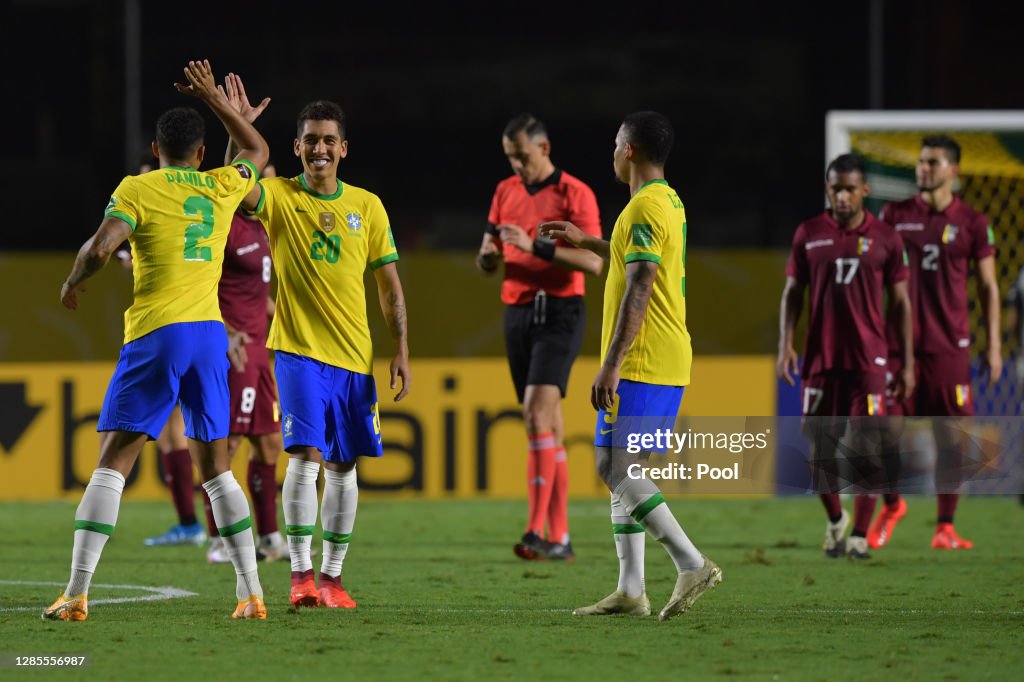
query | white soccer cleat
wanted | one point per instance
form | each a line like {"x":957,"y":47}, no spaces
{"x":690,"y":585}
{"x":272,"y":547}
{"x":615,"y":603}
{"x":835,"y":537}
{"x":857,"y":548}
{"x":217,"y":552}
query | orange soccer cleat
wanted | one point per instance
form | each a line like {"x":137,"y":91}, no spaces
{"x":333,"y":595}
{"x":946,"y":538}
{"x":68,"y":608}
{"x":881,"y":530}
{"x":303,"y":592}
{"x":252,"y":607}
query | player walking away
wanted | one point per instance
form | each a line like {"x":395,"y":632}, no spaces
{"x":942,"y":235}
{"x":544,"y":315}
{"x":175,"y":345}
{"x":647,"y":356}
{"x":847,"y":259}
{"x":323,"y":235}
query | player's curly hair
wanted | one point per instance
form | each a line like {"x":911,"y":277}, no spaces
{"x":322,"y":110}
{"x":180,"y":132}
{"x":651,"y":133}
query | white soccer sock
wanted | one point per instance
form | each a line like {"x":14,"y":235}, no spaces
{"x":298,"y":497}
{"x":645,"y":503}
{"x":234,"y":524}
{"x":94,"y":522}
{"x":338,"y":516}
{"x":629,"y":545}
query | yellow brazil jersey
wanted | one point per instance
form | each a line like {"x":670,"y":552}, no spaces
{"x":321,"y":245}
{"x":180,"y":220}
{"x":652,"y":227}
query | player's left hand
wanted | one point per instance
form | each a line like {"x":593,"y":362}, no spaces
{"x":602,"y":393}
{"x":234,"y":91}
{"x":236,"y":349}
{"x":994,"y":364}
{"x":201,"y":82}
{"x":69,"y":295}
{"x":400,"y":368}
{"x":516,"y":236}
{"x":903,"y":386}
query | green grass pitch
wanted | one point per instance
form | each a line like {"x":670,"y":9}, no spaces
{"x":442,"y":597}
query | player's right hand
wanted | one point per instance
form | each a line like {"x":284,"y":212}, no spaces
{"x":236,"y":349}
{"x":489,"y":256}
{"x":564,"y":230}
{"x":234,"y":91}
{"x":201,"y":82}
{"x":786,"y":367}
{"x":69,"y":295}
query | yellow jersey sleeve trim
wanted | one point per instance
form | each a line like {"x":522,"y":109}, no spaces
{"x":631,"y":257}
{"x":390,"y":258}
{"x":121,"y":216}
{"x":263,"y":197}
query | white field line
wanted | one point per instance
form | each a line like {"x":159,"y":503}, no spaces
{"x":155,"y":593}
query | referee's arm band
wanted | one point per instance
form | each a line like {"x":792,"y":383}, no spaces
{"x":492,"y":230}
{"x":544,"y":249}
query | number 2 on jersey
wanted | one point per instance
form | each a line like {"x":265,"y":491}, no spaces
{"x":198,"y":206}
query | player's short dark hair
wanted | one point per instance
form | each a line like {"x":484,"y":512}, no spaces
{"x":848,"y":163}
{"x":946,"y":143}
{"x":651,"y":133}
{"x":180,"y":132}
{"x":322,"y":110}
{"x":525,"y":123}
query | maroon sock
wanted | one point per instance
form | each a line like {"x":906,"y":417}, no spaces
{"x":863,"y":510}
{"x":262,"y":479}
{"x":947,"y":506}
{"x":211,"y":525}
{"x":178,"y":477}
{"x":832,"y":506}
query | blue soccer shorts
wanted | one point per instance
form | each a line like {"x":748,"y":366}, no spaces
{"x":639,"y":409}
{"x":184,"y":363}
{"x":328,"y":408}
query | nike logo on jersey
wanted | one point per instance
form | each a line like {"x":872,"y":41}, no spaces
{"x":248,"y":249}
{"x":605,"y":432}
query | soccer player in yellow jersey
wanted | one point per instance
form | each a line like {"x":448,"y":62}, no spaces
{"x":177,"y":219}
{"x":323,"y":235}
{"x":646,"y":351}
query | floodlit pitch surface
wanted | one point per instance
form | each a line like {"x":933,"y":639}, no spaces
{"x":442,"y":597}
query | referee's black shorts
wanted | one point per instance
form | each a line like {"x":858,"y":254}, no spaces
{"x":542,"y":339}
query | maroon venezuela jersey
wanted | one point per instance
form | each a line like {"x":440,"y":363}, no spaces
{"x":846,"y":272}
{"x":940,"y":245}
{"x":245,"y":284}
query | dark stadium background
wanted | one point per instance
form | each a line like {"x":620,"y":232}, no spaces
{"x":429,"y":86}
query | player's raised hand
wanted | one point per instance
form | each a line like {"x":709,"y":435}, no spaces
{"x":606,"y":384}
{"x":234,"y":90}
{"x":201,"y":82}
{"x":786,"y":367}
{"x":564,"y":230}
{"x":69,"y":295}
{"x":400,"y":368}
{"x":516,"y":236}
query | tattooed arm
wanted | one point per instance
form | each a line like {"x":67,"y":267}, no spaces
{"x":639,"y":285}
{"x":392,"y":304}
{"x":93,"y":255}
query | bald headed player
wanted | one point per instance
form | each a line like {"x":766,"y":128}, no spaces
{"x":943,"y":235}
{"x":544,"y":315}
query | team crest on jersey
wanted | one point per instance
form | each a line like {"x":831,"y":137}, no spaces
{"x":949,"y":233}
{"x":355,"y":221}
{"x":874,"y":404}
{"x":864,"y":245}
{"x":286,"y":425}
{"x":327,"y":221}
